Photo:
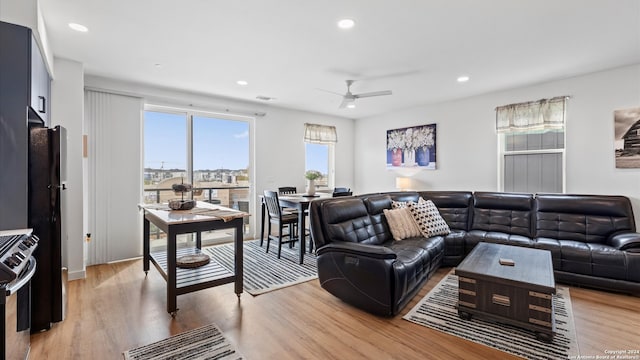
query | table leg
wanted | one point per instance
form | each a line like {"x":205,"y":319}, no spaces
{"x":199,"y":239}
{"x":172,"y":305}
{"x":145,"y":245}
{"x":301,"y":232}
{"x":239,"y":257}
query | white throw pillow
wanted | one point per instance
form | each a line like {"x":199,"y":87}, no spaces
{"x":428,"y":218}
{"x":398,"y":204}
{"x":401,"y":223}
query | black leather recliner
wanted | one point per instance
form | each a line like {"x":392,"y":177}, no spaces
{"x":359,"y":262}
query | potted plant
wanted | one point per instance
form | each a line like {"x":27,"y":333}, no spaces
{"x":312,"y":176}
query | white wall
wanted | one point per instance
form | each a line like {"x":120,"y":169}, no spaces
{"x":467,"y":142}
{"x":280,"y":159}
{"x":67,"y":99}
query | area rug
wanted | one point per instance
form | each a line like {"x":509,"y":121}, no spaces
{"x":438,"y":310}
{"x":206,"y":342}
{"x":264,"y":272}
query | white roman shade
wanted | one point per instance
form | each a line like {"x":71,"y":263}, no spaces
{"x":320,"y":134}
{"x":543,"y":114}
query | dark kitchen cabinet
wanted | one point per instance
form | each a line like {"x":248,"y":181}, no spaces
{"x":24,"y":82}
{"x":40,"y":83}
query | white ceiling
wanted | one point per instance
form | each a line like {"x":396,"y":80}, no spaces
{"x":289,"y":49}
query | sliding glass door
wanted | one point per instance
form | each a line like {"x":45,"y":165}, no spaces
{"x":212,"y":153}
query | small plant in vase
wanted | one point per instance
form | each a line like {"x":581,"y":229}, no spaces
{"x":312,"y":176}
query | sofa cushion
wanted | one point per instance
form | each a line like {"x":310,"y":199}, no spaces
{"x":453,"y":206}
{"x":347,"y":220}
{"x":401,"y":223}
{"x":503,"y":212}
{"x":428,"y":218}
{"x":473,"y":237}
{"x":582,"y":218}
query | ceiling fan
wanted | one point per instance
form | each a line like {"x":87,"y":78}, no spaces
{"x":349,"y":99}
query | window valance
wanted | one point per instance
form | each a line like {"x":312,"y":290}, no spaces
{"x":320,"y":134}
{"x":535,"y":115}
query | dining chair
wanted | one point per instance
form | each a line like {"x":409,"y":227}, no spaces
{"x":342,"y":191}
{"x":291,"y":190}
{"x":287,"y":190}
{"x":280,"y":218}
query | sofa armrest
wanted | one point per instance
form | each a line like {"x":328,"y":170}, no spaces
{"x":357,"y":249}
{"x":626,"y":241}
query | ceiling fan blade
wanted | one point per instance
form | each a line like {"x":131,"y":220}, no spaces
{"x":330,"y":92}
{"x":374,"y":93}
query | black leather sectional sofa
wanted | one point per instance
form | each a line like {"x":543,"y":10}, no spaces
{"x":592,"y":239}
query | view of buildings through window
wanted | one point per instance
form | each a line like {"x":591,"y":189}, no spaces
{"x":210,"y":153}
{"x":318,"y":157}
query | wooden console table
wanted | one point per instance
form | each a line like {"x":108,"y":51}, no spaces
{"x":203,"y":217}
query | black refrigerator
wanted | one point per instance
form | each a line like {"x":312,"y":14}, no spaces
{"x":47,"y":176}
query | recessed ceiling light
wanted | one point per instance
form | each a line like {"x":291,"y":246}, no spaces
{"x":242,"y":82}
{"x":463,"y":78}
{"x":78,"y":27}
{"x":157,"y":65}
{"x":346,"y":23}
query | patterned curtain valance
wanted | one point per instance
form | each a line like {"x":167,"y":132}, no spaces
{"x":320,"y":134}
{"x":535,"y":115}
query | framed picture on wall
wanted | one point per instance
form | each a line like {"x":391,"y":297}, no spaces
{"x":627,"y":138}
{"x":412,"y":147}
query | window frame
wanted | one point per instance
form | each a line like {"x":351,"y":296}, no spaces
{"x":331,"y":161}
{"x":190,"y":113}
{"x":503,"y":153}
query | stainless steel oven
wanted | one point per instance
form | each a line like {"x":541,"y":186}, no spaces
{"x":15,"y":302}
{"x":17,"y":267}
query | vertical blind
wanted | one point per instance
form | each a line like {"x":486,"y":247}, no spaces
{"x":114,"y":176}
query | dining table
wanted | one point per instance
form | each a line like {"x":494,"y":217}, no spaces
{"x":301,"y":203}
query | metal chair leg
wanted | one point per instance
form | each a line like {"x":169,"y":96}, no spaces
{"x":279,"y":240}
{"x":268,"y":236}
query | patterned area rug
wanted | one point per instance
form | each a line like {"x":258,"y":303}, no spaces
{"x":438,"y":310}
{"x":206,"y":342}
{"x":265,"y":272}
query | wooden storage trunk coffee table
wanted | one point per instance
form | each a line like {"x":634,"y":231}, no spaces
{"x":508,"y":284}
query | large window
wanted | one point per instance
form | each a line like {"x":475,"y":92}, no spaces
{"x":532,"y":146}
{"x":319,"y":152}
{"x":209,"y":152}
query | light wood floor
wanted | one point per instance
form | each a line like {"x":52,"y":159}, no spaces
{"x":116,"y":308}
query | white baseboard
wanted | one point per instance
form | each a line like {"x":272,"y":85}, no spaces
{"x":76,"y":275}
